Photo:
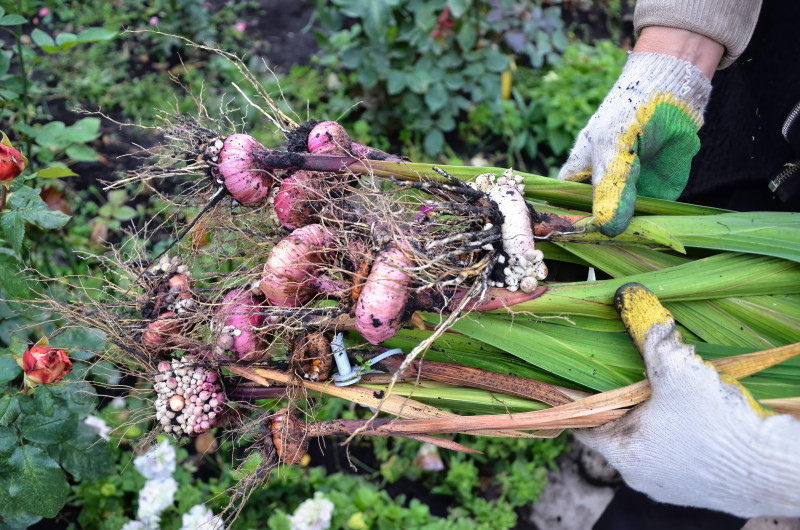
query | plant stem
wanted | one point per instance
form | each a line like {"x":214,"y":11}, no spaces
{"x":257,"y":392}
{"x":24,"y":76}
{"x":495,"y":382}
{"x":537,"y":187}
{"x":380,"y":428}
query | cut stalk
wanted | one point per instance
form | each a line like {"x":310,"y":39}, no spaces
{"x":593,"y":411}
{"x":399,"y":406}
{"x":473,"y":377}
{"x":537,"y":187}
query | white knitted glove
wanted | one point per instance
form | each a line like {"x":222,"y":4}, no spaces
{"x":642,"y":138}
{"x":701,"y":439}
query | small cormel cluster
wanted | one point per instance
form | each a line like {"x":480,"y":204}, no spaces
{"x":188,"y":398}
{"x":179,"y":298}
{"x":524,"y":266}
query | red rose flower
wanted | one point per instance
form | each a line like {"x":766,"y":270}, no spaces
{"x":12,"y":163}
{"x":43,"y":365}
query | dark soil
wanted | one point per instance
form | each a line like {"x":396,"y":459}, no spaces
{"x":276,"y":30}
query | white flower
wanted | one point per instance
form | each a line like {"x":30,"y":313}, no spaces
{"x":312,"y":514}
{"x":158,"y":463}
{"x":136,"y":525}
{"x":200,"y":517}
{"x":155,"y":497}
{"x":99,"y":425}
{"x":114,"y":377}
{"x":139,"y":525}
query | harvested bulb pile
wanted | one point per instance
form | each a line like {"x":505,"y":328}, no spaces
{"x":378,"y":254}
{"x":304,"y":244}
{"x":326,"y":269}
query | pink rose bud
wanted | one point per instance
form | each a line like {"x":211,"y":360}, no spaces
{"x":43,"y":365}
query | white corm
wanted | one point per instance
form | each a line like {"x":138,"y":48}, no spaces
{"x":200,"y":517}
{"x":156,"y":496}
{"x":157,"y":463}
{"x":312,"y":514}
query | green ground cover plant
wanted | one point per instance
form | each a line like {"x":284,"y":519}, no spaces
{"x":422,"y":66}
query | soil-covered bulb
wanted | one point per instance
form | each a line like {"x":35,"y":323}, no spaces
{"x":289,"y":436}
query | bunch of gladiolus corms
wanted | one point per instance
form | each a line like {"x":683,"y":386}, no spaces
{"x":315,"y":260}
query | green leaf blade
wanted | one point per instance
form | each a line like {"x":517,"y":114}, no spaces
{"x":56,"y":172}
{"x":9,"y":369}
{"x":35,"y":482}
{"x":95,"y":35}
{"x":13,"y":229}
{"x":9,"y":409}
{"x":13,"y":20}
{"x":86,"y":456}
{"x":44,"y":41}
{"x":54,"y":429}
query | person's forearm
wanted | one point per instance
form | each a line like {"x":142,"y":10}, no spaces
{"x":697,"y":49}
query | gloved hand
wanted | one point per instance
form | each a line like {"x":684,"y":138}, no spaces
{"x":642,"y":138}
{"x":701,"y":439}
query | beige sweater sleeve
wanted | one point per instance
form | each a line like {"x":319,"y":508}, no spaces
{"x":729,"y":22}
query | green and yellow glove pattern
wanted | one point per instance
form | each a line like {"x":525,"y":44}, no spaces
{"x":700,"y":439}
{"x":642,"y":138}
